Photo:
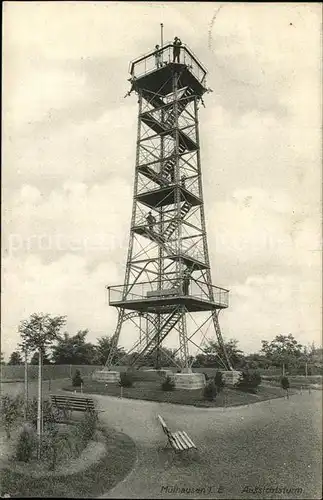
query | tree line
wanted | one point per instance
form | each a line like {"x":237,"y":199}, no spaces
{"x":42,"y":330}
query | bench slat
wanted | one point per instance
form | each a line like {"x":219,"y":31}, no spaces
{"x":69,"y":405}
{"x":174,"y":443}
{"x":75,"y":406}
{"x":189,"y":439}
{"x":182,"y":440}
{"x":179,"y":440}
{"x":72,"y":398}
{"x":73,"y":403}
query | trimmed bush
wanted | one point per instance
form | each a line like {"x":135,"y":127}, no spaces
{"x":248,"y":381}
{"x":219,"y":381}
{"x":168,"y":384}
{"x":26,"y":444}
{"x":284,"y":382}
{"x":209,"y":391}
{"x":87,"y":427}
{"x":126,"y":379}
{"x":11,"y":412}
{"x":49,"y":447}
{"x":50,"y":413}
{"x":77,"y":380}
{"x":32,"y":411}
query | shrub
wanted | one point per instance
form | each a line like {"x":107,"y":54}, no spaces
{"x":168,"y":384}
{"x":87,"y":426}
{"x":32,"y":411}
{"x":49,"y":446}
{"x":206,"y":376}
{"x":50,"y":414}
{"x":77,"y":380}
{"x":248,"y":381}
{"x":26,"y":444}
{"x":284,"y":382}
{"x":126,"y":379}
{"x":209,"y":391}
{"x":219,"y":381}
{"x":11,"y":412}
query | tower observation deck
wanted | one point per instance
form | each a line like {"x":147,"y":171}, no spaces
{"x":168,"y":275}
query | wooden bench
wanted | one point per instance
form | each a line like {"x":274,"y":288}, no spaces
{"x":68,"y":404}
{"x":179,"y":440}
{"x":162,"y":293}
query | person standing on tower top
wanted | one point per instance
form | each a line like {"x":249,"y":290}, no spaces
{"x":176,"y":49}
{"x":158,"y":57}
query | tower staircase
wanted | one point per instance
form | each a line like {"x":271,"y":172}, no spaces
{"x":172,"y":225}
{"x":182,"y":103}
{"x":165,"y":328}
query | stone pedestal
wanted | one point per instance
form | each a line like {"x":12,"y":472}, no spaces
{"x":109,"y":377}
{"x":189,"y":381}
{"x":231,"y":377}
{"x":161,"y":372}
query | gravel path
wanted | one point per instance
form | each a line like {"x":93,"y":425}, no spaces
{"x":242,"y":450}
{"x":270,"y":444}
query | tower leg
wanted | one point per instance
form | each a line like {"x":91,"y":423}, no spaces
{"x":224,"y":354}
{"x":183,"y":352}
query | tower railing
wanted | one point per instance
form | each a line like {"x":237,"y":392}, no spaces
{"x":168,"y":288}
{"x":147,"y":63}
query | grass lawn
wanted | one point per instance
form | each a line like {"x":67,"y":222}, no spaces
{"x":91,"y":482}
{"x":296,"y":381}
{"x":150,"y":391}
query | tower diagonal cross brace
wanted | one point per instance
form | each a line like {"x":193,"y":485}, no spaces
{"x":171,"y":277}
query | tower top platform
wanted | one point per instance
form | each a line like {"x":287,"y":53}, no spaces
{"x":145,"y":74}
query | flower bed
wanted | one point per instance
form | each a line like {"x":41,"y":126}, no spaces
{"x":99,"y":467}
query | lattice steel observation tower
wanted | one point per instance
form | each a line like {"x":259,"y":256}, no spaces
{"x":167,"y":290}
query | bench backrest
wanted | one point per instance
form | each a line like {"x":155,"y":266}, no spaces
{"x":73,"y":402}
{"x":164,"y":426}
{"x":161,"y":293}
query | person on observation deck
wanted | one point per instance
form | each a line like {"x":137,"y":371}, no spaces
{"x":158,"y":57}
{"x":176,"y":49}
{"x":186,"y":285}
{"x":151,"y":221}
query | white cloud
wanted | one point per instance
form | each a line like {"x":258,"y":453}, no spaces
{"x":64,"y":287}
{"x":90,"y":221}
{"x":268,"y":305}
{"x":69,"y":154}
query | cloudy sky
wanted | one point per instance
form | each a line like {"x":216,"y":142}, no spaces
{"x":69,"y":148}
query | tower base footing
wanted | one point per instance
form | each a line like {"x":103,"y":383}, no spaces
{"x":231,"y":377}
{"x":109,"y":377}
{"x":189,"y":381}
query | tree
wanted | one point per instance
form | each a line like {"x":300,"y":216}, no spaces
{"x":15,"y":358}
{"x":283,"y":351}
{"x":74,"y":350}
{"x":38,"y":333}
{"x":35,"y":359}
{"x":2,"y":361}
{"x":213,"y":355}
{"x":167,"y":357}
{"x":257,"y":360}
{"x":103,"y":350}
